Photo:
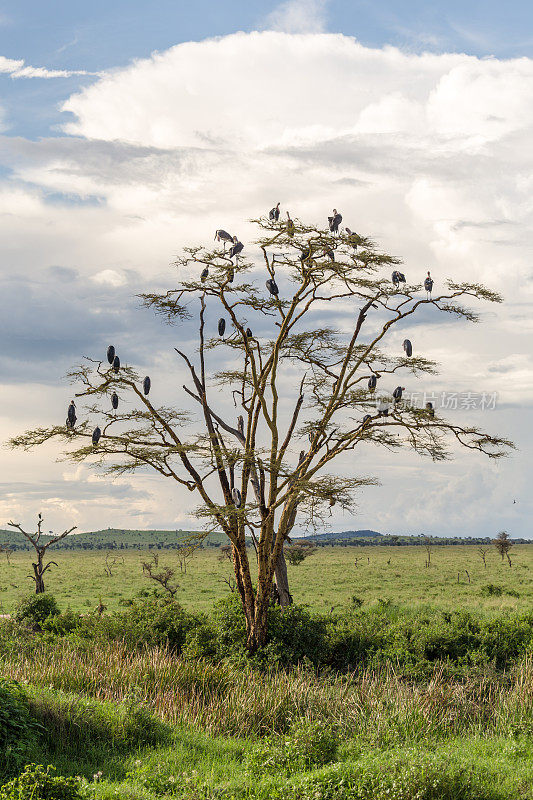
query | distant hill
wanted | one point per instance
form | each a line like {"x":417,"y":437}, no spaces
{"x":342,"y":536}
{"x":116,"y":539}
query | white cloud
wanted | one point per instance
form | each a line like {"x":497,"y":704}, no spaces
{"x":298,"y":16}
{"x":18,"y":69}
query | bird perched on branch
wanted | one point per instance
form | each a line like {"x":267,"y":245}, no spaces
{"x":428,"y":284}
{"x":272,"y":287}
{"x":71,"y":415}
{"x":290,"y":226}
{"x":397,"y":393}
{"x":398,"y":277}
{"x":110,"y":353}
{"x":335,"y":221}
{"x":408,"y":347}
{"x":237,"y":248}
{"x":273,"y":214}
{"x":223,"y":236}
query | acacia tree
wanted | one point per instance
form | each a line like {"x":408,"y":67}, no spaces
{"x":299,"y":388}
{"x":40,"y":546}
{"x":503,"y":544}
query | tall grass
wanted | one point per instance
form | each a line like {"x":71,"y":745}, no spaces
{"x":232,"y":700}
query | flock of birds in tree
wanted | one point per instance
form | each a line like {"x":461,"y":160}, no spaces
{"x":334,"y":222}
{"x":114,"y":364}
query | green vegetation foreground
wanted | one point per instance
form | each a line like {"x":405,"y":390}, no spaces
{"x":155,"y":701}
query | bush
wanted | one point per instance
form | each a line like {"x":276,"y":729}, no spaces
{"x":35,"y":608}
{"x":18,"y":732}
{"x":294,"y":635}
{"x":491,"y":589}
{"x":37,"y":783}
{"x":307,"y":745}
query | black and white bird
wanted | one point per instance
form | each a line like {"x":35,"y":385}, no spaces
{"x":147,"y":383}
{"x":272,"y":287}
{"x":428,"y":285}
{"x":71,"y":415}
{"x":221,"y":326}
{"x":290,"y":226}
{"x":110,"y":353}
{"x":116,"y":364}
{"x":223,"y":236}
{"x":335,"y":221}
{"x":248,"y":333}
{"x":383,"y":407}
{"x":430,"y":409}
{"x":353,"y":238}
{"x":237,"y":248}
{"x":372,"y":382}
{"x":408,"y":347}
{"x":398,"y":277}
{"x":204,"y":273}
{"x":366,"y":420}
{"x":273,"y":214}
{"x":96,"y":436}
{"x":397,"y":393}
{"x":236,"y":497}
{"x":114,"y":401}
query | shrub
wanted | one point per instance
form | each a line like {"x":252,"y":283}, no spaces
{"x":491,"y":589}
{"x":294,"y":635}
{"x":307,"y":745}
{"x":17,"y":730}
{"x":35,"y":608}
{"x":37,"y":783}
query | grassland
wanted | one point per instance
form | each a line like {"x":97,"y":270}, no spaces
{"x":139,"y":720}
{"x":455,"y":579}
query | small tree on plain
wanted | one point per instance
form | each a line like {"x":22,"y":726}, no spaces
{"x":298,"y":383}
{"x":40,"y":546}
{"x":503,"y":544}
{"x":428,"y":545}
{"x":162,"y":575}
{"x":298,"y":552}
{"x":7,"y":551}
{"x":483,"y":554}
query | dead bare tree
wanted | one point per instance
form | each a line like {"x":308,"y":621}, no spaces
{"x":299,"y":390}
{"x":8,"y":552}
{"x":110,"y":562}
{"x":483,"y":554}
{"x":428,"y":545}
{"x":503,"y":544}
{"x":163,"y":577}
{"x":186,"y":550}
{"x":39,"y":567}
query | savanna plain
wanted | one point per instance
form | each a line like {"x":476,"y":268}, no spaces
{"x":387,"y":678}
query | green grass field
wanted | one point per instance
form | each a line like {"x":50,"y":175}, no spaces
{"x":326,"y":579}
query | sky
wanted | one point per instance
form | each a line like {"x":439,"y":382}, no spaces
{"x":129,"y":130}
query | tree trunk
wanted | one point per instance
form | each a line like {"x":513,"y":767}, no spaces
{"x":282,"y":581}
{"x":38,"y":570}
{"x":256,"y":633}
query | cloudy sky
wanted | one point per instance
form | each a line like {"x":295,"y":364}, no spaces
{"x":130,"y":129}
